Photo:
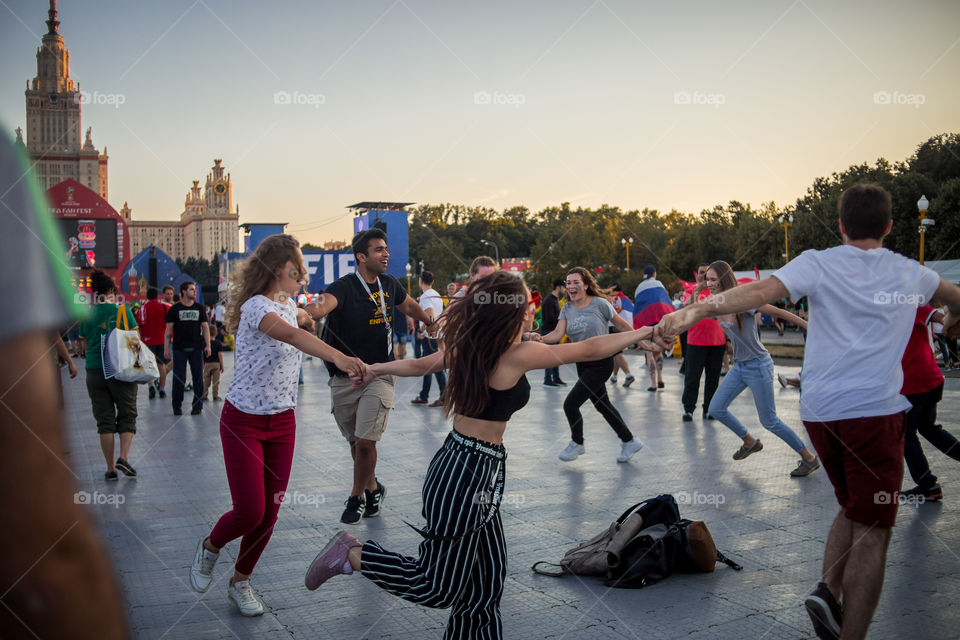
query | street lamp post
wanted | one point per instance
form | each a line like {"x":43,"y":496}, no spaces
{"x":925,"y":222}
{"x":786,"y":222}
{"x":495,"y":248}
{"x":626,"y":242}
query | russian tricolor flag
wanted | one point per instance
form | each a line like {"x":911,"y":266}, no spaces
{"x":652,"y":303}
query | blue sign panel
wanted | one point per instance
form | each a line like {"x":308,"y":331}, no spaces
{"x":323,"y":267}
{"x":395,"y":224}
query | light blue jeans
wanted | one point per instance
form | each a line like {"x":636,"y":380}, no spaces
{"x":757,"y":374}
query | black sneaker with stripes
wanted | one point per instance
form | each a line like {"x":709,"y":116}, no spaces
{"x":353,"y":511}
{"x":374,"y":500}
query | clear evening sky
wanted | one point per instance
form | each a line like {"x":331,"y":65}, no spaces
{"x":317,"y":105}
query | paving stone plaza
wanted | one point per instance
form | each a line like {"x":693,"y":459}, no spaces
{"x":772,"y":524}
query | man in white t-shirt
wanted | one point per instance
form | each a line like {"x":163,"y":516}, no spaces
{"x":432,"y":304}
{"x":863,"y":300}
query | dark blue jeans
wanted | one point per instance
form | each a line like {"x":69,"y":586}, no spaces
{"x":422,"y":348}
{"x":180,"y":360}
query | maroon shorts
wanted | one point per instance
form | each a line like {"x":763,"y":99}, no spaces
{"x":863,"y":458}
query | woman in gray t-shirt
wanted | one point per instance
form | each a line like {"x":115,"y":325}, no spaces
{"x":752,"y":368}
{"x":587,"y":315}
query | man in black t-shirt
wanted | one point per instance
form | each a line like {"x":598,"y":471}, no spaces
{"x":188,"y":337}
{"x":359,"y":311}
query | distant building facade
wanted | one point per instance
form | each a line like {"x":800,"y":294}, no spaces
{"x":209,"y":222}
{"x":53,"y":120}
{"x":208,"y":225}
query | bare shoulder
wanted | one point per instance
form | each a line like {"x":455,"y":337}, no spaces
{"x":512,"y":365}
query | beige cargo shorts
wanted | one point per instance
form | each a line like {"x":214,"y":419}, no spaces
{"x":361,"y":412}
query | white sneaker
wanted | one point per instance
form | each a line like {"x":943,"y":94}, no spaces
{"x":572,"y":452}
{"x":627,"y":449}
{"x":201,"y":573}
{"x":242,"y":595}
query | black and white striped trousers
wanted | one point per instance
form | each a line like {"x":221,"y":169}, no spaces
{"x":463,"y":557}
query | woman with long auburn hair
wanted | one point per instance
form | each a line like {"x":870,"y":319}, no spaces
{"x":462,"y":559}
{"x":257,"y":424}
{"x":586,"y":316}
{"x":752,"y":368}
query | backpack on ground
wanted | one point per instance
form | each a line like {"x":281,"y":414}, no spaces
{"x":646,"y":544}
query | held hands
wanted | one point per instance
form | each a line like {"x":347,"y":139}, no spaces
{"x":305,"y":320}
{"x":314,"y":308}
{"x":673,"y":324}
{"x":366,"y":378}
{"x":352,"y":366}
{"x":532,"y":336}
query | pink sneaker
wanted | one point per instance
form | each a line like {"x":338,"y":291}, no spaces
{"x":332,"y":560}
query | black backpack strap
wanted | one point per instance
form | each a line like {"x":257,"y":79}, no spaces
{"x":727,"y":561}
{"x":543,"y":572}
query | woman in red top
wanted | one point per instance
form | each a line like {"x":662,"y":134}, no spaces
{"x":923,"y":387}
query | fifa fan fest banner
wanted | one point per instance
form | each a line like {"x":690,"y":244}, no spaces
{"x":323,"y":267}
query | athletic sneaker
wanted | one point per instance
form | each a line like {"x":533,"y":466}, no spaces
{"x":550,"y":383}
{"x":127,"y":469}
{"x":163,"y":394}
{"x":933,"y":493}
{"x":374,"y":500}
{"x":201,"y":573}
{"x":782,"y":380}
{"x":654,"y":389}
{"x":627,"y":449}
{"x":572,"y":452}
{"x":331,"y":561}
{"x":354,"y":510}
{"x":628,"y":380}
{"x":707,"y":416}
{"x":152,"y":392}
{"x":687,"y":416}
{"x":242,"y":595}
{"x":745,"y":451}
{"x":613,"y":379}
{"x":825,"y":612}
{"x":559,"y":383}
{"x":659,"y":385}
{"x":805,"y":468}
{"x":110,"y":475}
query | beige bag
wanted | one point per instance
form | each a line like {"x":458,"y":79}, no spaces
{"x":597,"y":556}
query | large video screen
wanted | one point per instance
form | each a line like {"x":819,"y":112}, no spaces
{"x":89,"y":242}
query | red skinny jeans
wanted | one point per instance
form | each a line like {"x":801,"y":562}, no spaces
{"x":258,"y":453}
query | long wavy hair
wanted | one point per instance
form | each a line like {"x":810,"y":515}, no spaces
{"x":727,"y":281}
{"x":590,"y":283}
{"x":476,"y":330}
{"x":256,"y":273}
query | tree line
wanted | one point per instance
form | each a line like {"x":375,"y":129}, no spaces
{"x":446,"y":237}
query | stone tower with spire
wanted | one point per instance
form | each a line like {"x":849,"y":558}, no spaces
{"x":53,"y":119}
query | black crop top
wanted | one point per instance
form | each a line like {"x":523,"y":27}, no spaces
{"x":504,"y":403}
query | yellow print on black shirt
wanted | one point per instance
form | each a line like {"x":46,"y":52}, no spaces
{"x":377,"y":318}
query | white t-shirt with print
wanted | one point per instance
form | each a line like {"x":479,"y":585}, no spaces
{"x":265,"y":370}
{"x":430,"y":299}
{"x":862,"y":307}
